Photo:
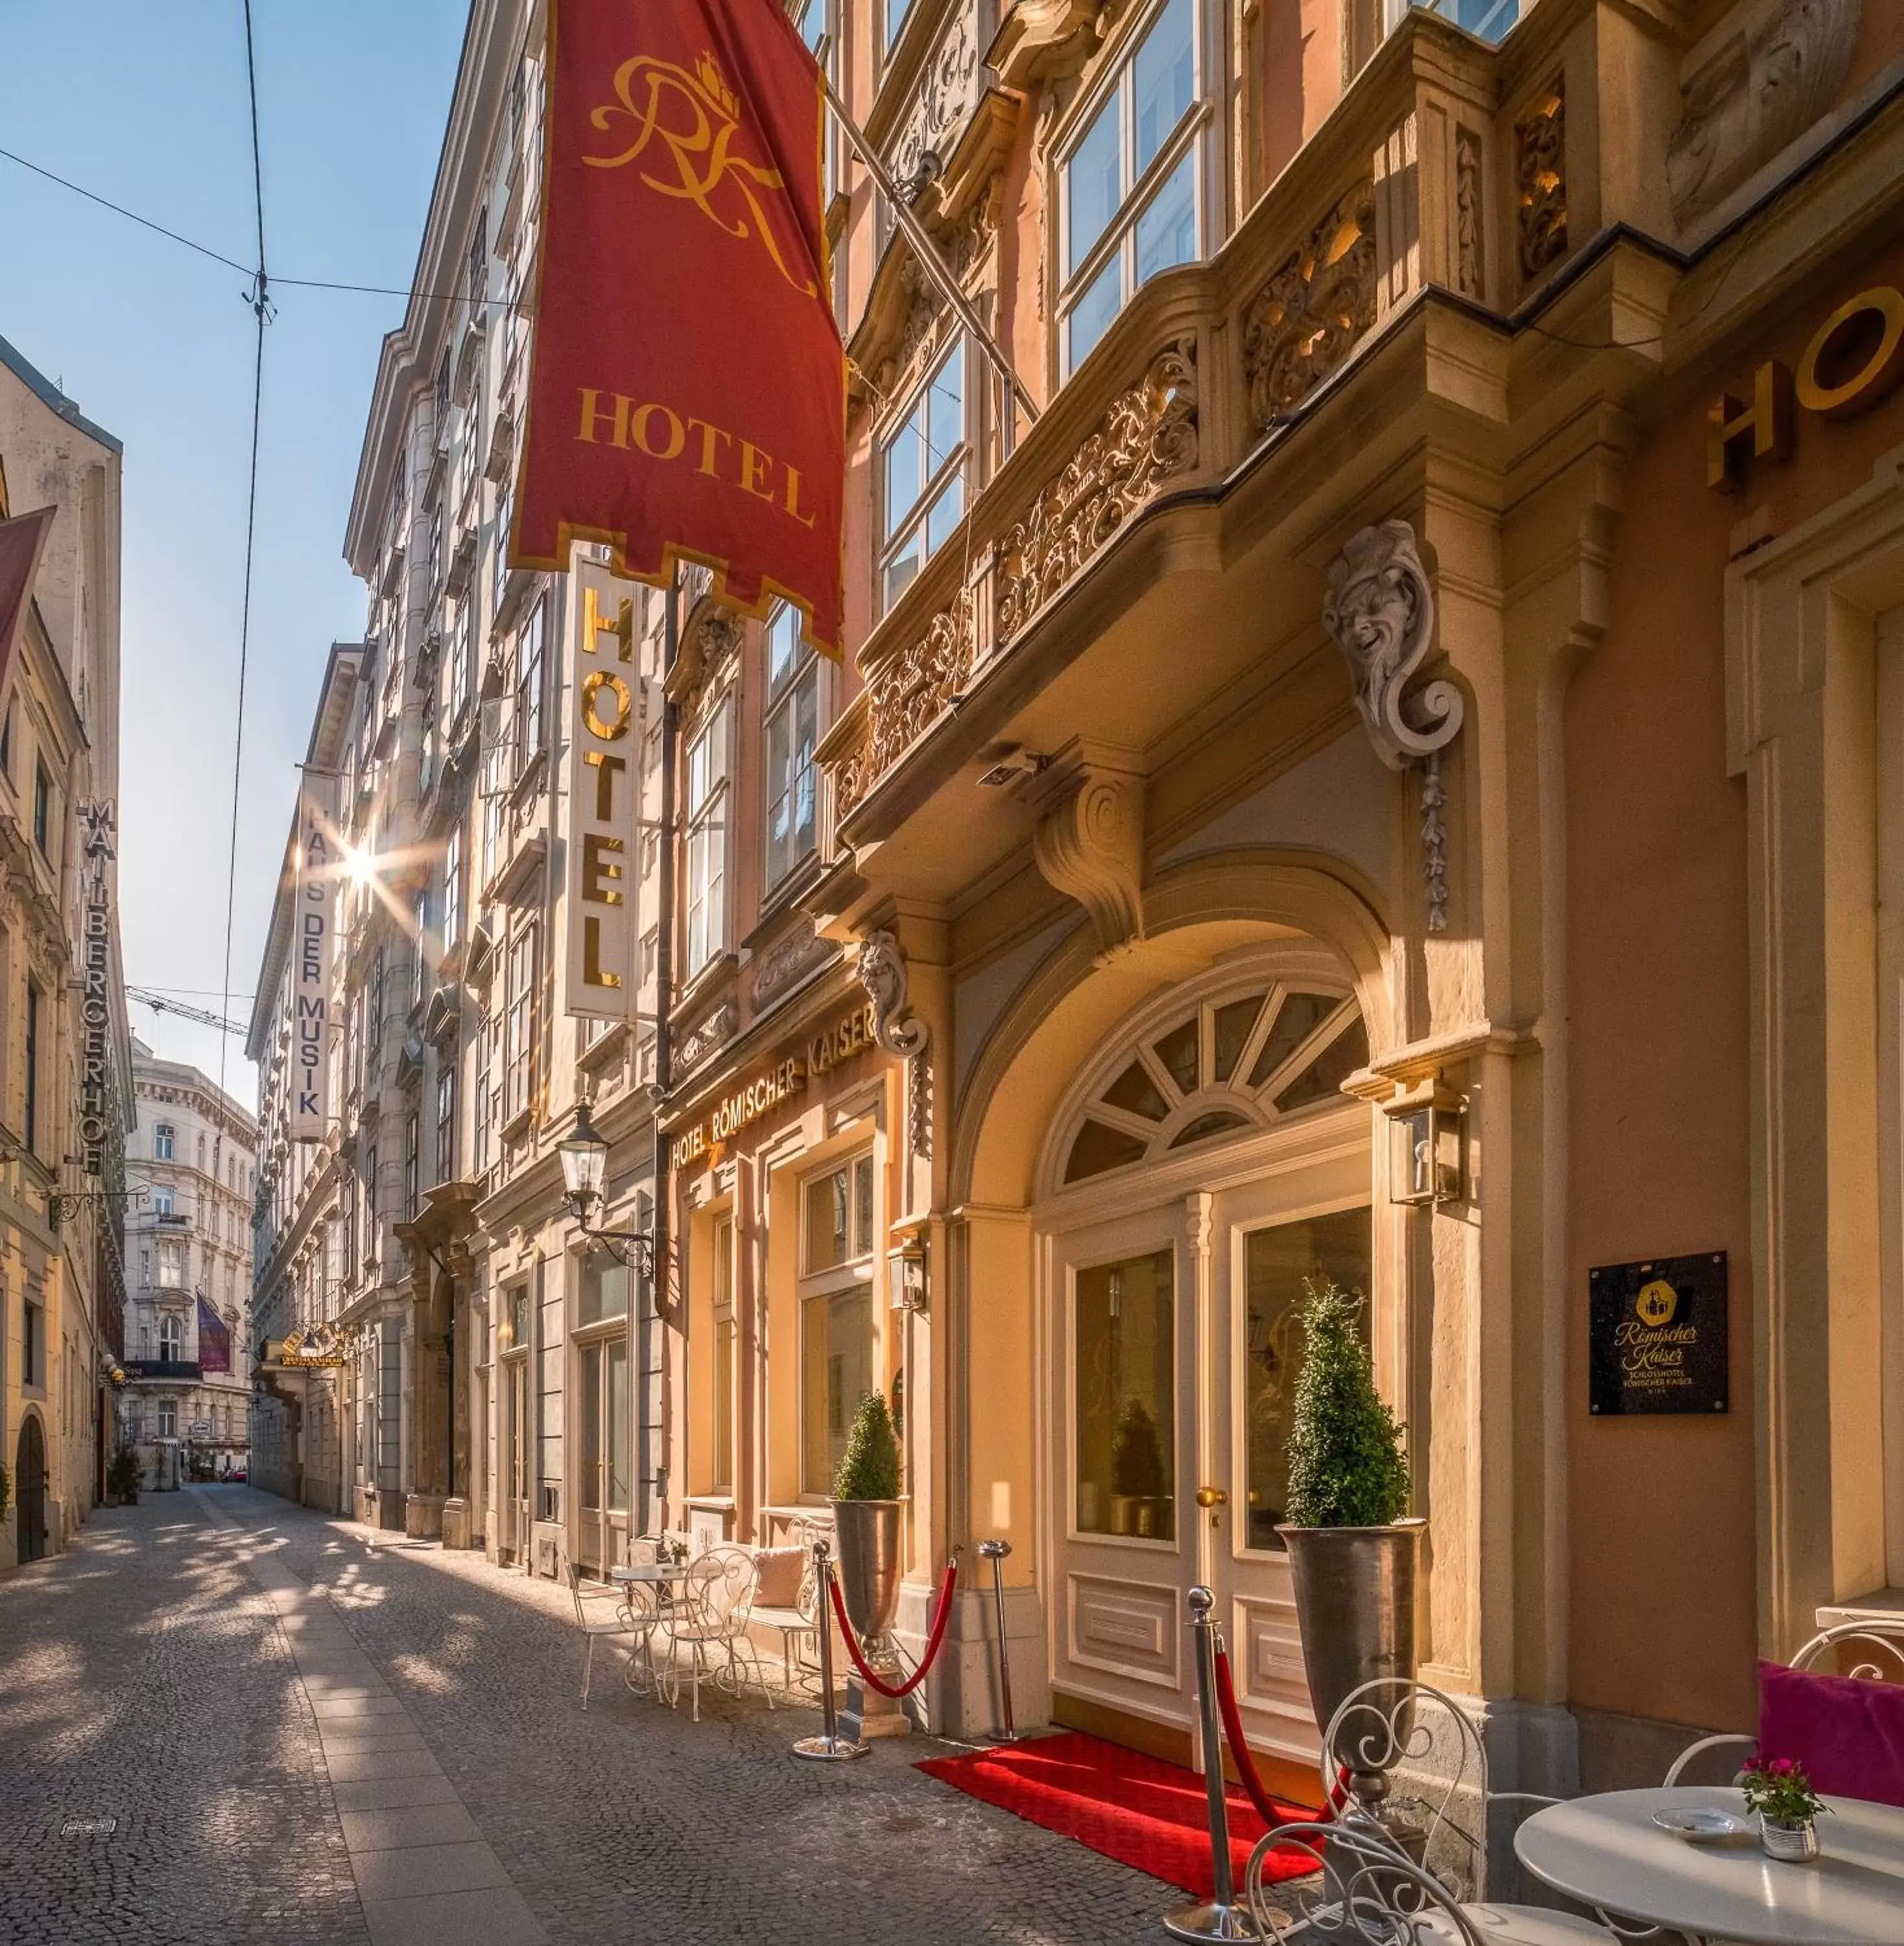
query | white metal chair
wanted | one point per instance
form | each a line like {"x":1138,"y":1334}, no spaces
{"x":708,"y":1617}
{"x":1884,"y":1638}
{"x":797,"y":1626}
{"x":600,"y":1611}
{"x":1346,"y":1884}
{"x":1431,"y":1749}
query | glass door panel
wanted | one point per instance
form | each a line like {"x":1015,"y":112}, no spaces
{"x":616,"y":1414}
{"x":591,"y":1482}
{"x":1125,"y":1318}
{"x":1277,"y":1262}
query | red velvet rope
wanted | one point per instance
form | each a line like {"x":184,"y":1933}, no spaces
{"x":1272,"y":1813}
{"x":938,"y":1635}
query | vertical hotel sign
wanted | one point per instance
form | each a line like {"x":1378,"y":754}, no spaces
{"x":99,"y":817}
{"x":313,"y":921}
{"x":604,"y":785}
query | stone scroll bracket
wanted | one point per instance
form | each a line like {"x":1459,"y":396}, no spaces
{"x":1089,"y":842}
{"x":1381,"y":613}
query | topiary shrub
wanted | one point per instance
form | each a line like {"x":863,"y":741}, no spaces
{"x":123,"y":1473}
{"x":1347,"y":1465}
{"x":1136,"y":1459}
{"x":869,"y":1468}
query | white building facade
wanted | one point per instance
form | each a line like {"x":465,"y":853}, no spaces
{"x":186,"y":1409}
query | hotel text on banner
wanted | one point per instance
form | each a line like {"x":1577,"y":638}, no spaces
{"x":604,"y":782}
{"x":687,"y":387}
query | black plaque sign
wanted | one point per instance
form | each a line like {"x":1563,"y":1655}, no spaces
{"x":1656,"y":1337}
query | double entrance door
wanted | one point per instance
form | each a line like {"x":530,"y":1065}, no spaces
{"x":1173,"y":1346}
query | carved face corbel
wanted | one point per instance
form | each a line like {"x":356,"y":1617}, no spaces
{"x":1381,"y":611}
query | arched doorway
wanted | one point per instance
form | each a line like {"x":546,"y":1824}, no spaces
{"x":29,"y":1490}
{"x":1206,"y":1164}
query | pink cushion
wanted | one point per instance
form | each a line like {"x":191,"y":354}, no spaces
{"x":1848,"y":1734}
{"x":780,"y":1570}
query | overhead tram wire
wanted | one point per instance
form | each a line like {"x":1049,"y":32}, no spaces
{"x":261,"y":303}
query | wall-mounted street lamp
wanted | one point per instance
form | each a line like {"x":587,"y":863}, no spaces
{"x":1426,"y":1141}
{"x":584,"y":1167}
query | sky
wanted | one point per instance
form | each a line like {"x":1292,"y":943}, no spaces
{"x":144,"y":102}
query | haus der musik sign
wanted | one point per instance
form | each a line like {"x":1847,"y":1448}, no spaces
{"x":841,"y":1041}
{"x":1854,"y":360}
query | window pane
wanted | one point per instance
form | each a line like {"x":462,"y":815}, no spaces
{"x":1167,"y":230}
{"x":618,"y":1446}
{"x":828,"y":1238}
{"x":1299,"y":1017}
{"x":812,"y":24}
{"x":1321,"y":1080}
{"x":1163,"y":78}
{"x":836,"y":1335}
{"x":1177,"y":1051}
{"x":1134,"y":1092}
{"x":1233,"y":1023}
{"x":591,"y":1427}
{"x":945,"y":516}
{"x":1099,"y":1148}
{"x":723,"y":1416}
{"x":1091,"y":316}
{"x":901,"y":569}
{"x":604,"y":1288}
{"x":806,"y":795}
{"x":904,"y":474}
{"x":783,"y":647}
{"x":1275,"y":1263}
{"x":1093,"y":183}
{"x":1126,"y":1405}
{"x":895,"y":13}
{"x":946,"y":411}
{"x":863,"y":1205}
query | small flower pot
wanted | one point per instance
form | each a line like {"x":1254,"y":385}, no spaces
{"x":1793,"y":1844}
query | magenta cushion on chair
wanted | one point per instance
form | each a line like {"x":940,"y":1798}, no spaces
{"x":1848,"y":1734}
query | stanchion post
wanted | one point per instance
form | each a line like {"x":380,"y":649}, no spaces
{"x":1220,"y":1917}
{"x":995,"y":1551}
{"x":829,"y":1746}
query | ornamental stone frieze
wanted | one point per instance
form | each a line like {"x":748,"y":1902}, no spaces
{"x":791,"y":961}
{"x":1148,"y":437}
{"x":1381,"y":611}
{"x":1541,"y":175}
{"x":1299,"y":328}
{"x":882,"y":972}
{"x":948,"y":91}
{"x":708,"y":1036}
{"x":906,"y":695}
{"x":1041,"y":42}
{"x":1763,"y":76}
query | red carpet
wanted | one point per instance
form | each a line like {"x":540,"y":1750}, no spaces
{"x":1137,"y":1809}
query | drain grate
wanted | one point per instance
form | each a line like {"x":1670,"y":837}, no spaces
{"x":89,"y":1828}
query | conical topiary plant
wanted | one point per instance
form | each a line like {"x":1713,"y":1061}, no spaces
{"x":869,"y":1468}
{"x":1347,"y":1465}
{"x":1137,"y":1459}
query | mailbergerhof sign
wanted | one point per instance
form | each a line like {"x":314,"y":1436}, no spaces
{"x":97,"y":816}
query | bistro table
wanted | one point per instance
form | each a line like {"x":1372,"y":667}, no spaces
{"x":662,"y":1576}
{"x":1606,"y":1853}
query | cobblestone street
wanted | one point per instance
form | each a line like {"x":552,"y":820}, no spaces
{"x":299,"y":1736}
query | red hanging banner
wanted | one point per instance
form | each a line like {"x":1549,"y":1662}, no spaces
{"x":687,"y":391}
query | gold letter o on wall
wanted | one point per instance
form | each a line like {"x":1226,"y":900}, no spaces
{"x":592,"y":687}
{"x":1883,"y":367}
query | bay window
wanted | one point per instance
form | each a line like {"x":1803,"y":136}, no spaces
{"x":707,"y":842}
{"x":1129,"y":187}
{"x":519,"y":1026}
{"x":452,"y":890}
{"x":529,"y":689}
{"x":792,"y":730}
{"x":922,"y":474}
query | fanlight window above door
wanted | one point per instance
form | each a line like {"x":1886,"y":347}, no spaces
{"x":1231,"y":1066}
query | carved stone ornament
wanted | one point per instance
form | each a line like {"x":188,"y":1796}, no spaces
{"x":1774,"y":69}
{"x":1042,"y":41}
{"x":1467,"y":212}
{"x":1541,"y":169}
{"x":1089,"y":845}
{"x":948,"y":90}
{"x":882,"y":972}
{"x":712,"y":634}
{"x":713,"y":1033}
{"x":1303,"y":324}
{"x":905,"y":695}
{"x":1381,"y":611}
{"x":796,"y":956}
{"x":1148,"y":437}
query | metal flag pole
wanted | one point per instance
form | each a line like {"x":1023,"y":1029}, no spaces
{"x":1220,"y":1917}
{"x":930,"y":261}
{"x":830,"y":1746}
{"x":995,"y":1551}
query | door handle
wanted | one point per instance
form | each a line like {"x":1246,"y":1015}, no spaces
{"x":1212,"y":1497}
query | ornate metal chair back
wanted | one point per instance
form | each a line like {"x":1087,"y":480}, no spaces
{"x":1878,"y":1644}
{"x":1436,"y":1764}
{"x":719,"y":1590}
{"x":1349,"y":1887}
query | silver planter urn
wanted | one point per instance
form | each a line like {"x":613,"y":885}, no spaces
{"x":866,"y":1538}
{"x":1355,"y":1590}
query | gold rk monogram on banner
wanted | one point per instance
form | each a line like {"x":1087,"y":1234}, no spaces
{"x":702,"y":147}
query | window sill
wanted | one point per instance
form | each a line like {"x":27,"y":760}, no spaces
{"x":717,"y":969}
{"x":805,"y":874}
